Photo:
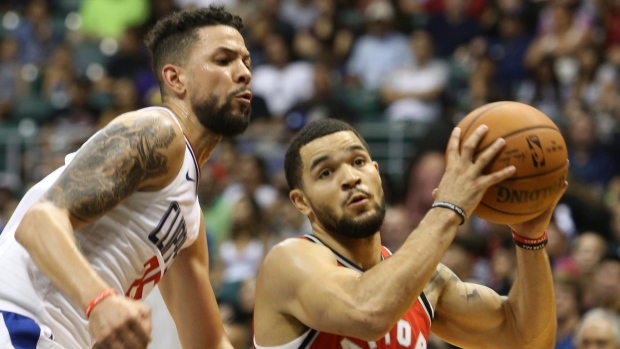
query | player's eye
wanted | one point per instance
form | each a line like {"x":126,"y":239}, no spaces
{"x":325,"y":173}
{"x":359,"y":162}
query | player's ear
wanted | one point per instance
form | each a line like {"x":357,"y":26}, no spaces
{"x":174,"y":78}
{"x":299,"y":200}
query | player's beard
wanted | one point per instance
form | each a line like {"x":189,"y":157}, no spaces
{"x":351,"y":227}
{"x":221,"y":120}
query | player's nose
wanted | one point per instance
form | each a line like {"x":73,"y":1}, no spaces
{"x":243,"y":75}
{"x":350,"y":177}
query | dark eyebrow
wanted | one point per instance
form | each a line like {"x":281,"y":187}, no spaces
{"x":317,"y":161}
{"x":244,"y":55}
{"x":323,"y":158}
{"x":355,"y":147}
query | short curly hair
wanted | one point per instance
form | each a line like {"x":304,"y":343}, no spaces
{"x":171,"y":37}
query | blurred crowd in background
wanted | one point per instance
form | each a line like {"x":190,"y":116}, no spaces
{"x":68,"y":67}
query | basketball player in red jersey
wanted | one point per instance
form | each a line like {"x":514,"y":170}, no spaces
{"x":337,"y":288}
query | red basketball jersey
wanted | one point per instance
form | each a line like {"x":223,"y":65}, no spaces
{"x":411,"y":331}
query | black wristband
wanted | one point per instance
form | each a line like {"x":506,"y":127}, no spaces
{"x":452,"y":207}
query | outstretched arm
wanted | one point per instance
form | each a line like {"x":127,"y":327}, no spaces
{"x":188,"y":294}
{"x":474,"y":316}
{"x":135,"y":152}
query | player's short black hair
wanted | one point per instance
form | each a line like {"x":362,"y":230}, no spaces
{"x":293,"y":165}
{"x":172,"y":36}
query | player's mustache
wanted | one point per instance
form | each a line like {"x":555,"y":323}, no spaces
{"x":238,"y":91}
{"x":356,"y":191}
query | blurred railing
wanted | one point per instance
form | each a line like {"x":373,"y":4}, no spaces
{"x":30,"y":152}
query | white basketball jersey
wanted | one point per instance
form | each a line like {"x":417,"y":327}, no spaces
{"x":131,"y":247}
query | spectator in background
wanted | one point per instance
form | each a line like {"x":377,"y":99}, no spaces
{"x":605,"y":286}
{"x":542,"y":90}
{"x":12,"y":86}
{"x":241,"y":253}
{"x":252,"y":180}
{"x":503,"y":269}
{"x":125,"y":97}
{"x":205,"y":3}
{"x":159,"y":9}
{"x":590,"y":160}
{"x":217,"y":212}
{"x":592,"y":76}
{"x":413,"y":93}
{"x":460,"y":259}
{"x":325,"y":102}
{"x":567,"y":298}
{"x":508,"y":49}
{"x":58,"y":77}
{"x":425,"y":171}
{"x":598,"y":328}
{"x":132,"y":58}
{"x":269,"y":10}
{"x":9,"y":189}
{"x":453,"y":28}
{"x":396,"y":227}
{"x":38,"y":35}
{"x":587,"y":252}
{"x":564,"y":38}
{"x":282,"y":82}
{"x":239,"y":258}
{"x":285,"y":221}
{"x":300,"y":14}
{"x":615,"y":224}
{"x":77,"y":112}
{"x":379,"y":50}
{"x":424,"y":177}
{"x":558,"y":247}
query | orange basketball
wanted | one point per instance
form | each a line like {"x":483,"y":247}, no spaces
{"x":534,"y":145}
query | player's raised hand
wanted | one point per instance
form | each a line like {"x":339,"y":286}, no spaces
{"x":536,"y":226}
{"x":463,"y":182}
{"x":120,"y":323}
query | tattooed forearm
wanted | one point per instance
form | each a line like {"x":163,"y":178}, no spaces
{"x":111,"y":166}
{"x":472,"y":293}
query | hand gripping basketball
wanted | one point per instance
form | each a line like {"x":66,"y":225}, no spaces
{"x":463,"y":183}
{"x":534,"y":145}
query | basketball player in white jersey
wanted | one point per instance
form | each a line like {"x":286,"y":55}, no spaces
{"x":340,"y":289}
{"x":95,"y":236}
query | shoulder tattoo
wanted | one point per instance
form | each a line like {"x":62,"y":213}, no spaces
{"x":111,"y":166}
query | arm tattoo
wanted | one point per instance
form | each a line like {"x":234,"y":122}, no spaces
{"x":437,"y":280}
{"x":443,"y":276}
{"x":473,"y":294}
{"x":111,"y":166}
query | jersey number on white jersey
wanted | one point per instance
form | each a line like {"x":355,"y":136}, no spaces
{"x":169,"y":237}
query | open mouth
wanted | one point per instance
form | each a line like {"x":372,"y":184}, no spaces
{"x":245,"y":96}
{"x":357,"y":199}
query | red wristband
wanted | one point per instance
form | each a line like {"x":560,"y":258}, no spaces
{"x":101,"y":296}
{"x":527,"y":241}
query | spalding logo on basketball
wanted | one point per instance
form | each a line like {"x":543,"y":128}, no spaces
{"x":534,"y":145}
